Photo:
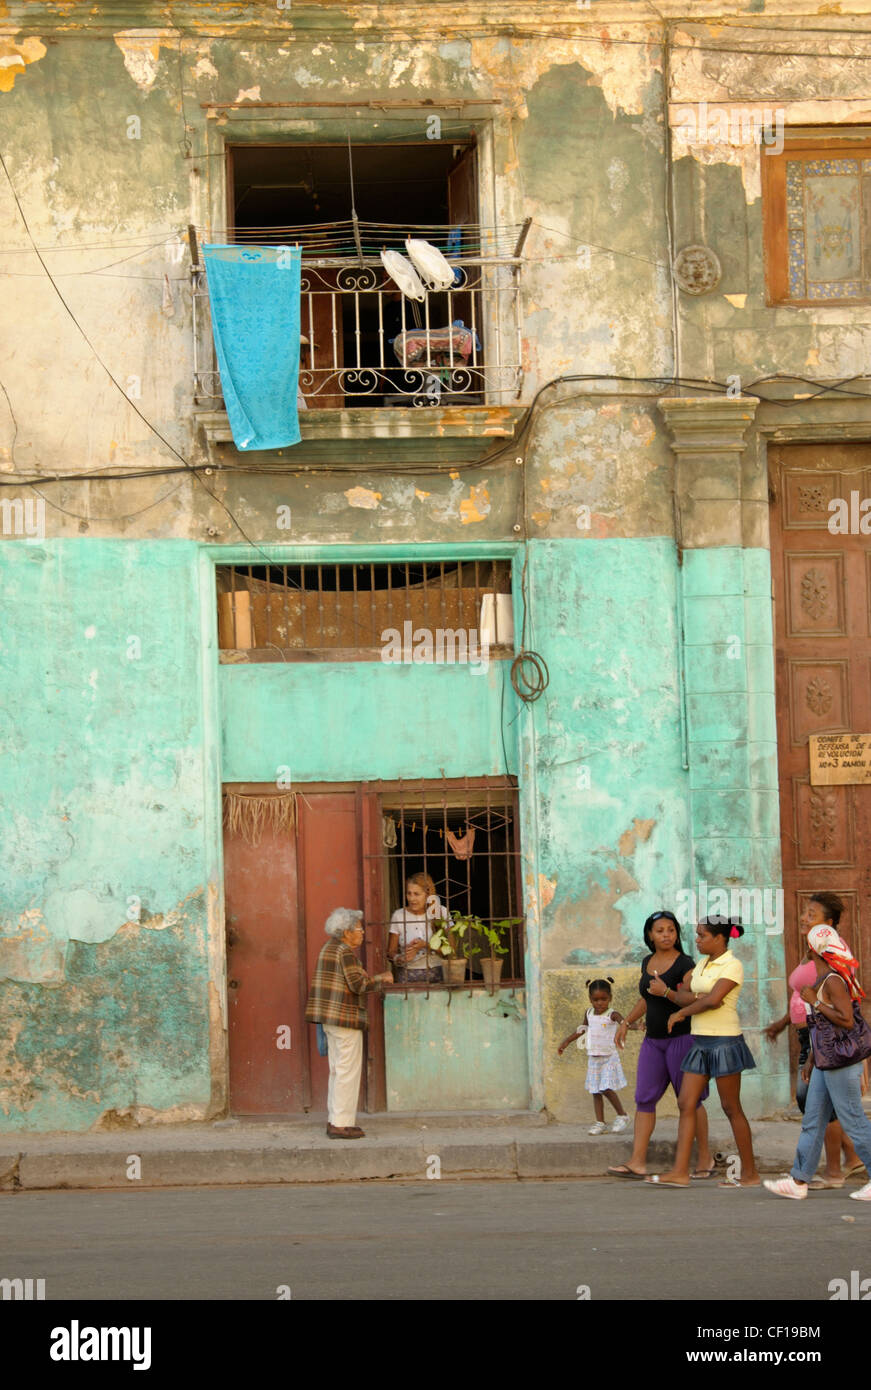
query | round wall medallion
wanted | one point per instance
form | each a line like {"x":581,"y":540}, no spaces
{"x":697,"y":270}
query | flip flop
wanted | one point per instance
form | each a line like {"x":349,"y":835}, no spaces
{"x":702,"y":1173}
{"x":624,"y":1172}
{"x":659,"y":1183}
{"x":819,"y":1184}
{"x":858,"y":1167}
{"x":733,"y":1182}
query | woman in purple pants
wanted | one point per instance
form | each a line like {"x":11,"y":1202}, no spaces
{"x":663,"y":971}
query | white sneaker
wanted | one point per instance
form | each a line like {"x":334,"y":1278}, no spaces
{"x":597,"y":1128}
{"x":787,"y":1187}
{"x":863,"y":1195}
{"x":621,"y":1123}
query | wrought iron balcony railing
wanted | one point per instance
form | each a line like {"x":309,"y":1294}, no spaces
{"x":366,"y":344}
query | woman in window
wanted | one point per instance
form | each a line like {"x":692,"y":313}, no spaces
{"x":410,"y":929}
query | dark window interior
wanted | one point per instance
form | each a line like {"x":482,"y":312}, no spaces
{"x":285,"y":186}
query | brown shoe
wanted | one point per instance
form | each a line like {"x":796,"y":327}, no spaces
{"x":348,"y":1132}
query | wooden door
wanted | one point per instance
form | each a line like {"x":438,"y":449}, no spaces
{"x":279,"y":894}
{"x":265,"y":976}
{"x":330,"y":877}
{"x":822,"y":591}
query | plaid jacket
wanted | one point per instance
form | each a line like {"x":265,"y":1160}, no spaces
{"x":337,"y":988}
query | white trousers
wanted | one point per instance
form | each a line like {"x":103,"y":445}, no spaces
{"x":345,"y":1049}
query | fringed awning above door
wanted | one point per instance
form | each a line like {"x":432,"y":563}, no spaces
{"x":250,"y":813}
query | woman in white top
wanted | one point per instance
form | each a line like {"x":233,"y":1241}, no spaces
{"x":410,"y":930}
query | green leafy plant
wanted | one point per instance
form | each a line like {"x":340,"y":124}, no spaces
{"x":450,"y":937}
{"x":495,"y":931}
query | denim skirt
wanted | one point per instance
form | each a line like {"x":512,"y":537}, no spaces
{"x":718,"y":1056}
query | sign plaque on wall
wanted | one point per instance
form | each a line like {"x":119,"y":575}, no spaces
{"x":840,"y":759}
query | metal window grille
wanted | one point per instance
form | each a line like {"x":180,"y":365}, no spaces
{"x":359,"y":612}
{"x":363,"y":343}
{"x":464,"y":837}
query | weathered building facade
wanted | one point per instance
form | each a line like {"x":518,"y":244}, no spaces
{"x":638,"y":445}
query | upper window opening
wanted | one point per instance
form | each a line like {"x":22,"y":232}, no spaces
{"x":277,"y":187}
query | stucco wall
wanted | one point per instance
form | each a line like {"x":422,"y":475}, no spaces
{"x":108,"y":881}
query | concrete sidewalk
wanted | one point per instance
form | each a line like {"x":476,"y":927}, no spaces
{"x":403,"y":1147}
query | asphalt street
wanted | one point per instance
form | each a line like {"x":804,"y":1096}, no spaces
{"x":434,"y":1240}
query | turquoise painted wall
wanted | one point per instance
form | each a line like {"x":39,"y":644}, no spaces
{"x":359,"y":721}
{"x":603,"y":751}
{"x":654,"y":765}
{"x":104,"y":741}
{"x":365,"y":720}
{"x":111,"y":757}
{"x":734,"y":798}
{"x":456,"y":1051}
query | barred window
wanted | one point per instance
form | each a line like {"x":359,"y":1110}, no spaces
{"x":458,"y":841}
{"x":442,"y":611}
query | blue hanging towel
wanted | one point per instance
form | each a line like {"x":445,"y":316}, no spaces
{"x":254,"y":297}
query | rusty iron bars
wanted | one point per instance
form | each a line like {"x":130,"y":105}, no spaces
{"x":440,"y":612}
{"x":463,"y":837}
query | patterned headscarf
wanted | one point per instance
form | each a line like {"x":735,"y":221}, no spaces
{"x":836,"y":953}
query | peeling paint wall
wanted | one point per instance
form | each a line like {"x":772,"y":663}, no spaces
{"x":111,"y":146}
{"x":107,"y":879}
{"x":113,"y":139}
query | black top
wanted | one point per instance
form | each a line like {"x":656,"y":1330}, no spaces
{"x":659,"y":1009}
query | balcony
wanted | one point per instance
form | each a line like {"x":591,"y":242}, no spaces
{"x":369,"y":356}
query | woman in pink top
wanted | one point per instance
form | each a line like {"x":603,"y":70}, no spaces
{"x":823,"y":909}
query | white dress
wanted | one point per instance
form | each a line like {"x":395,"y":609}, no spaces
{"x":604,"y":1069}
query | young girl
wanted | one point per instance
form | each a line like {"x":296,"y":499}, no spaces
{"x":604,"y":1072}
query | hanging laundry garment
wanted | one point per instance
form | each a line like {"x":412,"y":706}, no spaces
{"x":388,"y":832}
{"x":463,"y":845}
{"x":254,"y":295}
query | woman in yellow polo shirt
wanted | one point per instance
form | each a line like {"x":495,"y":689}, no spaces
{"x":718,"y":1051}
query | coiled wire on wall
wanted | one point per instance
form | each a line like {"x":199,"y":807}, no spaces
{"x":529,"y":674}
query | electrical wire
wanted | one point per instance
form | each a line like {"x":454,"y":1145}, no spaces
{"x":153,"y":428}
{"x":513,"y":447}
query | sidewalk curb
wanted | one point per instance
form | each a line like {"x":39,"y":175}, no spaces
{"x":302,"y":1154}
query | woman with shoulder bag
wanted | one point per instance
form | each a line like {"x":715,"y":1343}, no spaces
{"x":841,"y":1045}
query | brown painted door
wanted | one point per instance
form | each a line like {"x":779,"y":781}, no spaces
{"x":265,"y":975}
{"x":279,"y":895}
{"x":330,"y":875}
{"x":822,"y":591}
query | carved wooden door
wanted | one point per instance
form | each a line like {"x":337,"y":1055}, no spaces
{"x":822,"y":592}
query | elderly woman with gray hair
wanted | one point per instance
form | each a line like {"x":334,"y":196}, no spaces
{"x":336,"y":1002}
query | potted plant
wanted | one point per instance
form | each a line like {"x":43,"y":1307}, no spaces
{"x":448,"y":941}
{"x":491,"y":966}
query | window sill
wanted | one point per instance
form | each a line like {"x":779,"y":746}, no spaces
{"x":378,"y":437}
{"x":478,"y":986}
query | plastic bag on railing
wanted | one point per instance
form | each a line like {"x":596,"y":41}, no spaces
{"x":403,"y":275}
{"x":430,"y":264}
